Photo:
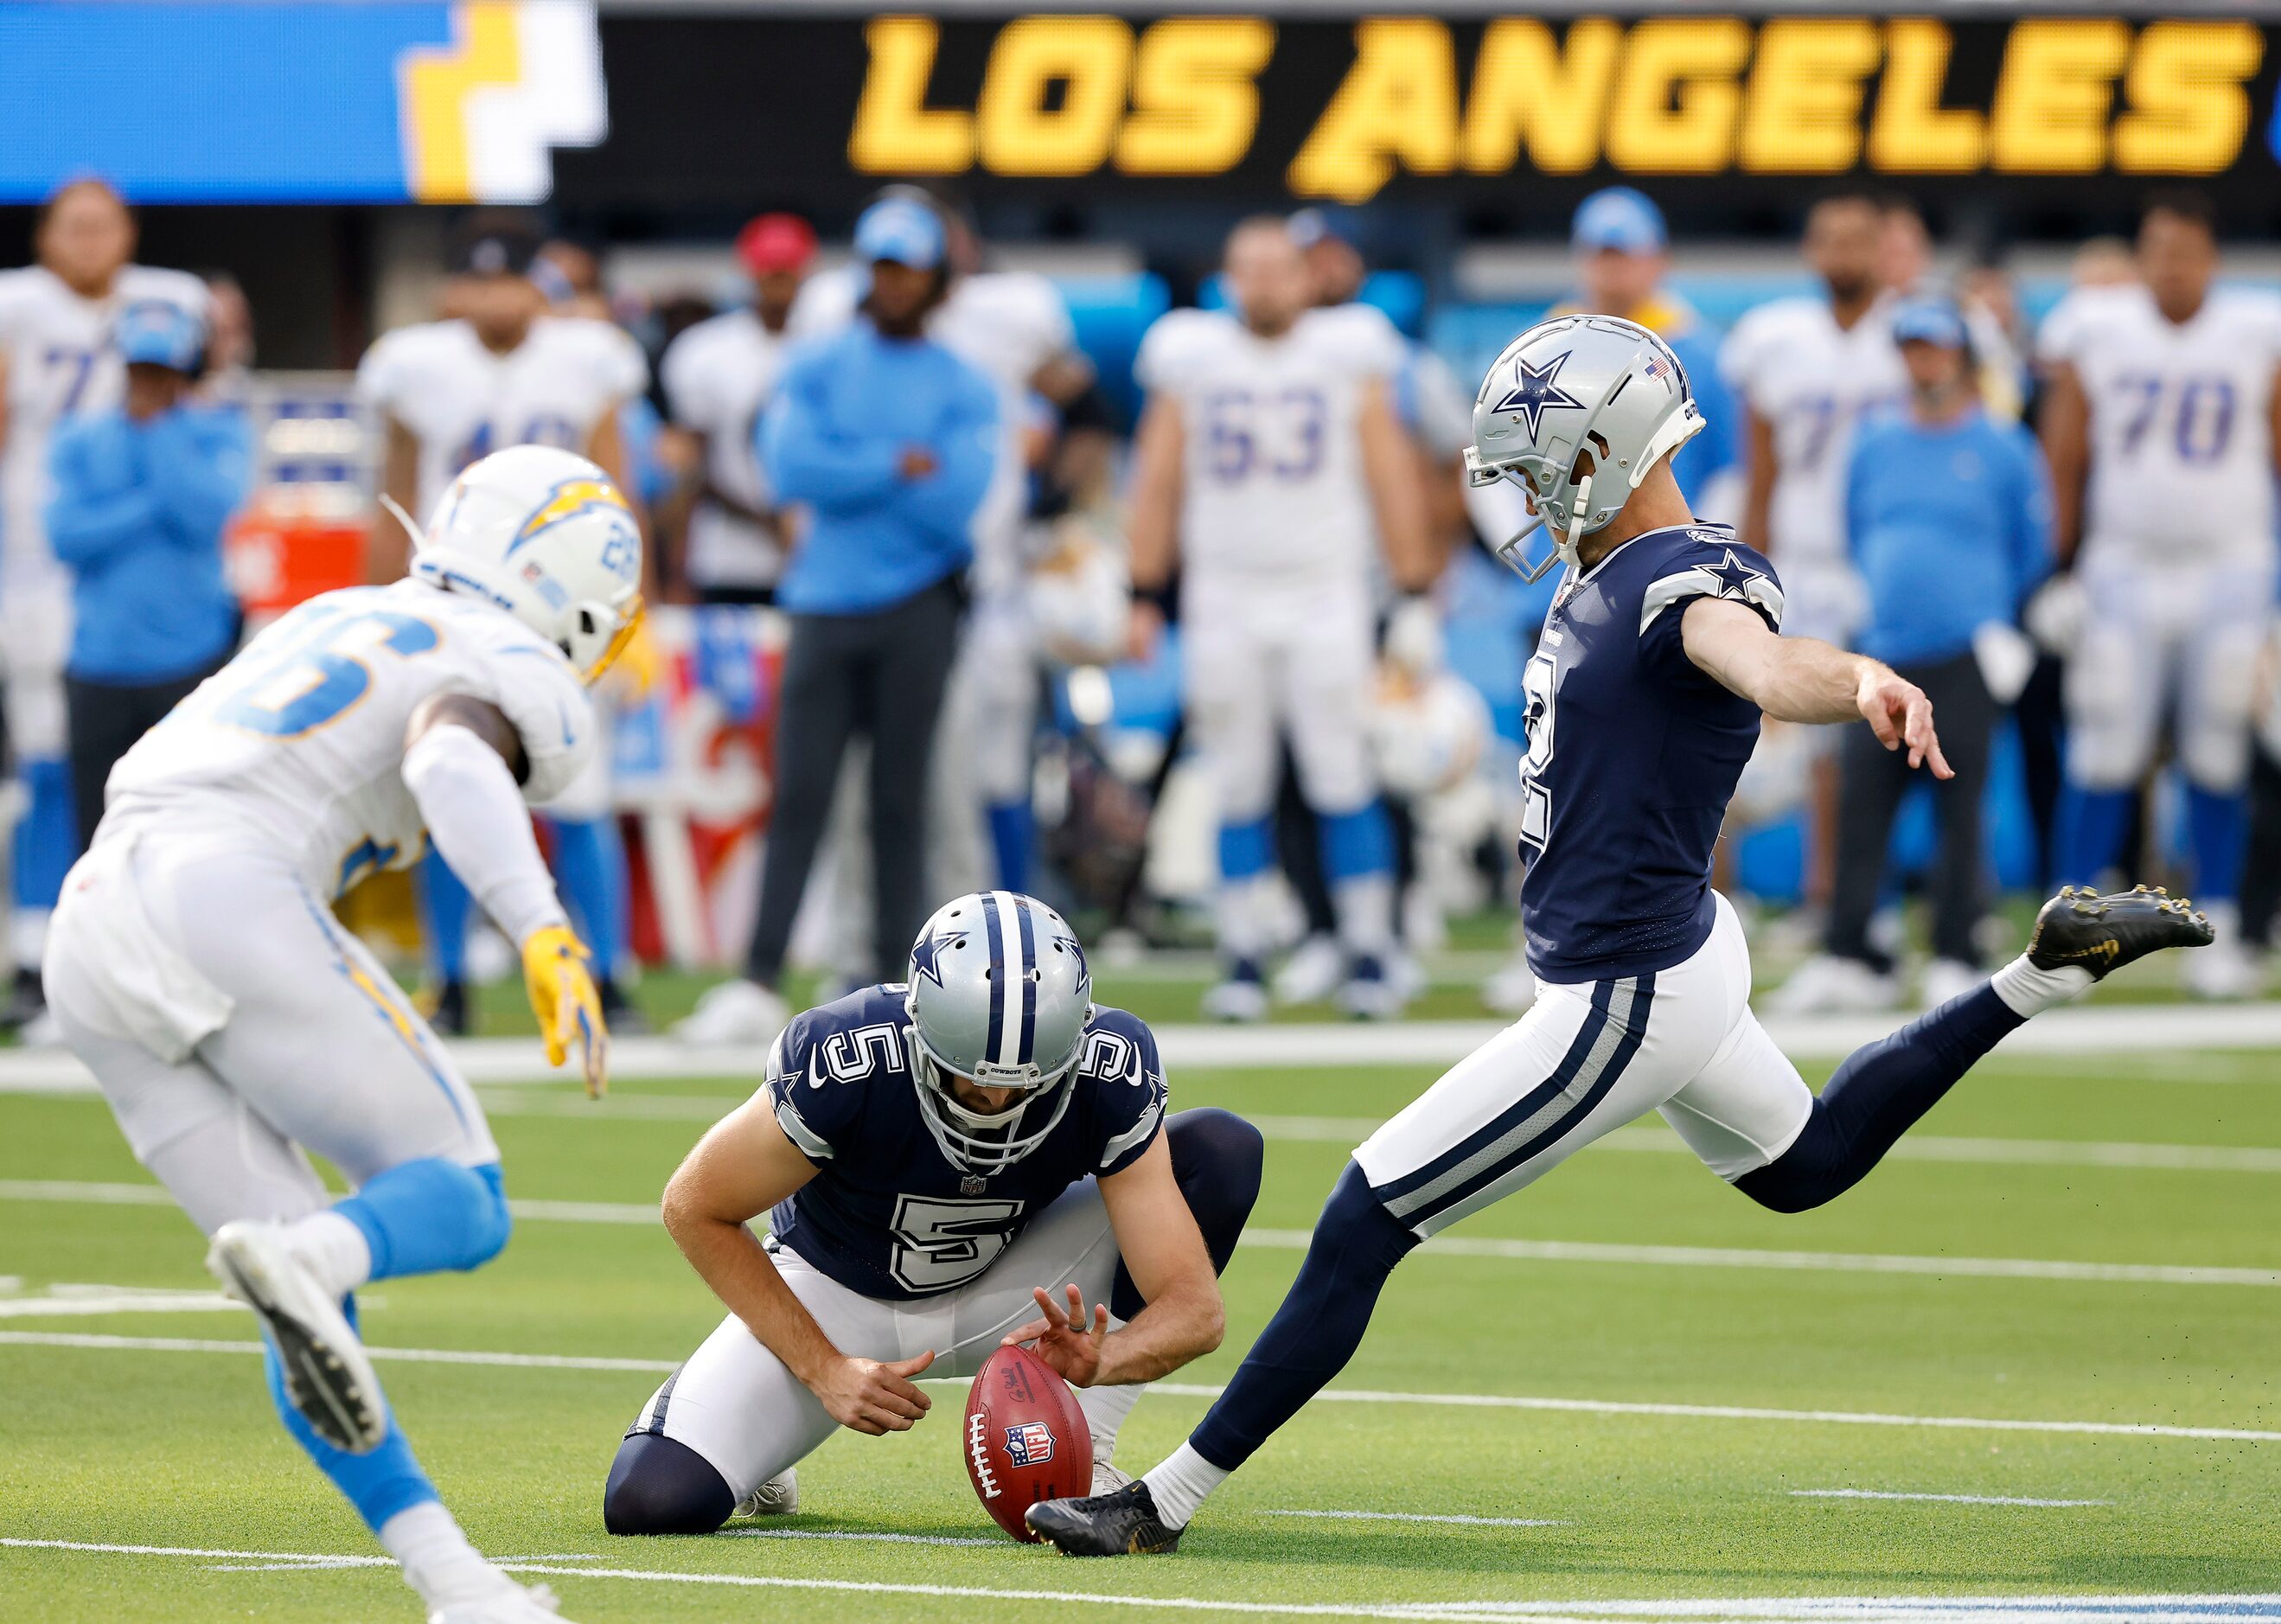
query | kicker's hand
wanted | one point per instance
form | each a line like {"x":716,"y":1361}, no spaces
{"x":559,"y":974}
{"x":1063,"y":1340}
{"x":872,"y":1396}
{"x":1899,"y":713}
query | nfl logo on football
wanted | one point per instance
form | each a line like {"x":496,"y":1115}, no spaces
{"x":1030,"y":1444}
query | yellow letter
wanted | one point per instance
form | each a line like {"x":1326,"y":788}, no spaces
{"x":1399,"y":101}
{"x":896,"y":131}
{"x":1675,"y":103}
{"x":1523,"y":83}
{"x":2188,"y":110}
{"x":1091,"y":57}
{"x":1804,"y":116}
{"x":1194,"y":106}
{"x":2052,"y":93}
{"x":1911,"y":132}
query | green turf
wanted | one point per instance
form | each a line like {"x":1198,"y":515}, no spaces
{"x":167,"y":1449}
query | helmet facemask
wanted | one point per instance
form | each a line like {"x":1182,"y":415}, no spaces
{"x":988,"y":1142}
{"x":599,"y":635}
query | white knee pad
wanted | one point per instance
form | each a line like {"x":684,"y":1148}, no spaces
{"x":2214,"y":705}
{"x":2113,"y":698}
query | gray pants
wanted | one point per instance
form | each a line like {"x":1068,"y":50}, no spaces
{"x":1871,"y":782}
{"x":880,"y":675}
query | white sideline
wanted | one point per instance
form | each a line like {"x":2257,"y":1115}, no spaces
{"x":1894,"y":1494}
{"x":1457,"y":1246}
{"x":2172,"y":1609}
{"x":1470,"y":1522}
{"x":1186,"y":1389}
{"x":2099,"y":1030}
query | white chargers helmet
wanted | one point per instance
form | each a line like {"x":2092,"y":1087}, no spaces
{"x":1000,"y":995}
{"x":543,"y":535}
{"x":1572,"y":385}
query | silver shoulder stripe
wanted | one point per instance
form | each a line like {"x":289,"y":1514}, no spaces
{"x":1134,"y":1135}
{"x":805,"y":1138}
{"x":1759,"y":591}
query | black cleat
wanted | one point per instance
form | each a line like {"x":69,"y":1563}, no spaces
{"x":2103,"y":933}
{"x":26,"y":1000}
{"x":454,"y":1016}
{"x":1112,"y":1524}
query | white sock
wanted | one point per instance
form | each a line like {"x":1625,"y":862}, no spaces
{"x":427,"y":1544}
{"x":2029,"y":990}
{"x":335,"y":1249}
{"x":1241,"y":916}
{"x":1105,"y":1410}
{"x":1364,"y":906}
{"x":1181,"y":1485}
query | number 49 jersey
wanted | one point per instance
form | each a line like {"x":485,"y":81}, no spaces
{"x":1271,"y":466}
{"x":1633,"y":754}
{"x":888,"y":1215}
{"x":299,"y":740}
{"x":2181,"y":447}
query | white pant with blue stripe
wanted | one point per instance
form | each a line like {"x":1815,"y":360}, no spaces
{"x":1588,"y":1059}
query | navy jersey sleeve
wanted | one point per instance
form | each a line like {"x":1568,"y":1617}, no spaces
{"x":1125,"y":1085}
{"x":1704,"y":562}
{"x":821,"y":1070}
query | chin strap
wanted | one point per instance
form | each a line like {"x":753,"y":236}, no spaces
{"x":395,"y":512}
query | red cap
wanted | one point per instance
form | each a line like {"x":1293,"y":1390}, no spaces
{"x":776,"y":243}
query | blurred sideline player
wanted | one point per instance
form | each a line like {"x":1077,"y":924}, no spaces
{"x":718,"y":375}
{"x":940,"y":1162}
{"x":234,"y":1026}
{"x":503,"y":372}
{"x":57,"y":360}
{"x":1806,"y":370}
{"x":2163,"y":427}
{"x":1905,"y":269}
{"x":1269,"y":466}
{"x":1661,"y":654}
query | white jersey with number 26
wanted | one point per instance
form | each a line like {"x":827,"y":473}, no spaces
{"x":299,"y":740}
{"x":1271,"y":465}
{"x":2181,"y":421}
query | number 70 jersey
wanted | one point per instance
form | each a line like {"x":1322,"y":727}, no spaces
{"x":1273,"y":489}
{"x":2181,"y":425}
{"x":299,"y":740}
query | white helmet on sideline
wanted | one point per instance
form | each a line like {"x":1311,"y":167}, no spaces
{"x":542,"y":534}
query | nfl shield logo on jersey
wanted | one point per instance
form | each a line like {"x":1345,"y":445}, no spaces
{"x":1030,"y":1444}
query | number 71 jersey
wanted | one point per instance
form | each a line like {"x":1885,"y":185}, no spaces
{"x":299,"y":740}
{"x":2181,"y":425}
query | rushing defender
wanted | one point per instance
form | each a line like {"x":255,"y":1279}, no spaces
{"x":932,"y":1155}
{"x":195,"y":966}
{"x":1269,"y":466}
{"x":1660,"y":655}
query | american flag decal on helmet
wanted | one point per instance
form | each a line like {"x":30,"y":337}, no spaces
{"x":1657,"y":366}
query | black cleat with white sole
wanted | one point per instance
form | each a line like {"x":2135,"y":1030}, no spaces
{"x":328,"y":1378}
{"x":1123,"y":1524}
{"x":2103,"y":933}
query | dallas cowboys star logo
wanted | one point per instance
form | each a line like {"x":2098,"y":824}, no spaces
{"x":1535,"y":391}
{"x":922,"y":956}
{"x":1733,"y":575}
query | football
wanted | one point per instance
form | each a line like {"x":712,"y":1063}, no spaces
{"x":1026,"y":1440}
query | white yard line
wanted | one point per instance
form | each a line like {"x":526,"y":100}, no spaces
{"x":837,"y":1533}
{"x":1892,"y":1494}
{"x":1813,"y":1610}
{"x":1183,"y":1389}
{"x":1471,"y":1522}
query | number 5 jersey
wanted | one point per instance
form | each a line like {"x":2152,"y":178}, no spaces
{"x":888,"y":1214}
{"x":299,"y":740}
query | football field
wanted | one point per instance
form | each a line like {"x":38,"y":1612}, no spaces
{"x":2030,"y":1369}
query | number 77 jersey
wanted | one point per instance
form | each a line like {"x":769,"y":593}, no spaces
{"x":300,"y":738}
{"x":2181,"y":421}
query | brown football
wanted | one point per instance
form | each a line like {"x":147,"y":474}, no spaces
{"x":1025,"y":1439}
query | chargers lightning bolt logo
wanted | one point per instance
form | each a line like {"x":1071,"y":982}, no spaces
{"x":568,"y":499}
{"x":1536,"y":390}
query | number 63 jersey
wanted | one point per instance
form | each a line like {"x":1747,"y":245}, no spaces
{"x":888,"y":1215}
{"x":299,"y":740}
{"x":2181,"y":425}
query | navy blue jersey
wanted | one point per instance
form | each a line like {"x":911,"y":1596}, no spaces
{"x":1632,"y":756}
{"x":888,"y":1214}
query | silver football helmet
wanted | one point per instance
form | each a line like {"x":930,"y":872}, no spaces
{"x":1000,"y":994}
{"x":1566,"y":386}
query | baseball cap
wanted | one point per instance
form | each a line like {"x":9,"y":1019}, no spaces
{"x":1311,"y":226}
{"x":496,"y":248}
{"x":897,"y":229}
{"x":1930,"y":320}
{"x":1621,"y":218}
{"x":154,"y":333}
{"x":775,"y":242}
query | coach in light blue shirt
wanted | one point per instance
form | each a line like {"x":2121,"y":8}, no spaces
{"x":1948,"y":515}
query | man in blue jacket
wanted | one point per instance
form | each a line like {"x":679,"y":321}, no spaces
{"x":1948,"y":514}
{"x":888,"y":441}
{"x":141,"y":492}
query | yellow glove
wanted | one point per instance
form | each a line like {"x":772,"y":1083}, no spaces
{"x":559,"y":973}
